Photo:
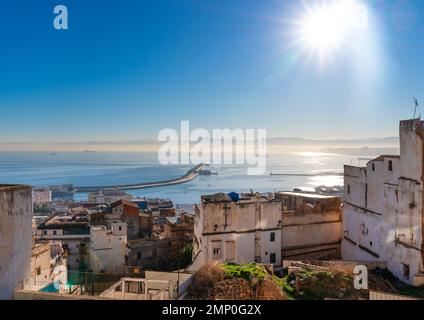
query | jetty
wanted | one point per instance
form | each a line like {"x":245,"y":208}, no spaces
{"x":307,"y":174}
{"x":191,"y":174}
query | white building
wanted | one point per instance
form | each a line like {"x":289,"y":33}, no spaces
{"x":15,"y":237}
{"x":245,"y":231}
{"x":108,"y":196}
{"x":73,"y":235}
{"x":383,"y":208}
{"x":47,"y":266}
{"x":108,"y":247}
{"x":41,"y":196}
{"x":311,"y":226}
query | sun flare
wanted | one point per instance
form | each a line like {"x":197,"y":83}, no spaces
{"x":325,"y":27}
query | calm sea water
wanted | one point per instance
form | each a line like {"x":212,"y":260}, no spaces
{"x":101,"y":168}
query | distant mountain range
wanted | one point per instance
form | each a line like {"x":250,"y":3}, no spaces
{"x":388,"y":141}
{"x":362,"y":146}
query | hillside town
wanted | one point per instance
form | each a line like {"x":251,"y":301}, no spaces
{"x":116,"y":246}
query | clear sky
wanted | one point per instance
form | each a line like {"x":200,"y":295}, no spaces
{"x":126,"y":69}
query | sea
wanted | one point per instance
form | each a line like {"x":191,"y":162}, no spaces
{"x":116,"y":168}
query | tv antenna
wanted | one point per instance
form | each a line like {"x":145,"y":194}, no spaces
{"x":416,"y":106}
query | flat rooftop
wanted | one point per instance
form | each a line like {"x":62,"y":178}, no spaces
{"x":12,"y":187}
{"x":307,"y":195}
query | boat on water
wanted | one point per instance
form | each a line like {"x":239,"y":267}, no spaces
{"x":207,"y":172}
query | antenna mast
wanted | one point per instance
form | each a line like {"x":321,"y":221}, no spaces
{"x":416,"y":106}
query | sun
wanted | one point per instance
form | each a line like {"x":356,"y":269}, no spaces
{"x":324,"y":27}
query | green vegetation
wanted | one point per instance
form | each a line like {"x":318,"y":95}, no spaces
{"x":285,"y":286}
{"x":245,"y":271}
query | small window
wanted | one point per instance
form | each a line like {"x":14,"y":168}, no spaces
{"x":38,"y":271}
{"x":139,"y":256}
{"x":406,"y":271}
{"x":272,"y":236}
{"x":348,"y":189}
{"x":54,"y":232}
{"x":272,"y":258}
{"x":120,"y":228}
{"x":216,"y":249}
{"x":45,"y":232}
{"x":373,"y":167}
{"x":390,"y":165}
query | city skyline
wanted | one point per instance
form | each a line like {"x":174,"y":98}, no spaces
{"x":124,"y":71}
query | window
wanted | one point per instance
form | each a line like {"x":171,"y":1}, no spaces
{"x":54,"y":232}
{"x":373,"y":167}
{"x":272,"y":258}
{"x":216,"y":252}
{"x":390,"y":165}
{"x":272,"y":236}
{"x":406,"y":271}
{"x":154,"y":252}
{"x":44,"y":232}
{"x":120,"y":228}
{"x":38,"y":271}
{"x":348,"y":189}
{"x":139,"y":256}
{"x":216,"y":249}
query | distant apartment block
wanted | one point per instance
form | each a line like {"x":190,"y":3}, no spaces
{"x":383,"y":208}
{"x":15,"y":237}
{"x":41,"y":196}
{"x":62,"y":192}
{"x":107,"y":196}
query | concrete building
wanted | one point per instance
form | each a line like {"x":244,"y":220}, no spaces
{"x":145,"y":226}
{"x":41,"y":196}
{"x":63,"y":192}
{"x":154,"y":286}
{"x":242,"y":231}
{"x":311,"y":226}
{"x":108,"y":196}
{"x":178,"y":230}
{"x":108,"y":247}
{"x":15,"y":237}
{"x":74,"y":236}
{"x":383,"y":208}
{"x":46,"y":263}
{"x":149,"y":253}
{"x":128,"y":212}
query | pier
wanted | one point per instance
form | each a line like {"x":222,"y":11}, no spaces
{"x":191,"y":174}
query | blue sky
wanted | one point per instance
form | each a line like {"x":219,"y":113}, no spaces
{"x":127,"y":69}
